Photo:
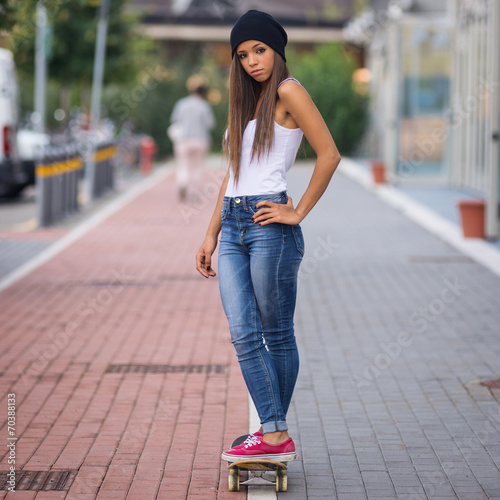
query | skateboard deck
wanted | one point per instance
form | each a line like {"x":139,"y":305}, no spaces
{"x":259,"y":467}
{"x":239,"y":440}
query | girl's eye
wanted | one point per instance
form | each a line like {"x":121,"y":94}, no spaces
{"x":242,"y":56}
{"x":262,"y":49}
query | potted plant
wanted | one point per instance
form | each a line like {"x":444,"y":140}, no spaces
{"x":472,"y":217}
{"x":378,"y":171}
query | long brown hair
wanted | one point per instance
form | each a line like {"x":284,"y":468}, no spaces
{"x":244,"y":93}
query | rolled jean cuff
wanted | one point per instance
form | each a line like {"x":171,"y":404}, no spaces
{"x":278,"y":426}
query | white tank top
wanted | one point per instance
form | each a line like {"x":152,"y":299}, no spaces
{"x":266,"y":175}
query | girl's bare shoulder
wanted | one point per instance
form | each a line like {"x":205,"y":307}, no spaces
{"x":291,"y":88}
{"x":292,"y":94}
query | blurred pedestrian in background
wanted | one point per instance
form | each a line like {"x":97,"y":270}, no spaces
{"x":191,"y":122}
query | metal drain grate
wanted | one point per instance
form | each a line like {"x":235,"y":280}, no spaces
{"x":40,"y":480}
{"x":133,"y":368}
{"x":113,"y":284}
{"x":492,"y":384}
{"x":136,"y":284}
{"x":440,"y":259}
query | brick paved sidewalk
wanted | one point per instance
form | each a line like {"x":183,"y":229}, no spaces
{"x":394,"y":326}
{"x":125,"y":293}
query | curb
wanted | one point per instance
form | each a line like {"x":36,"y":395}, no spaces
{"x":480,"y":250}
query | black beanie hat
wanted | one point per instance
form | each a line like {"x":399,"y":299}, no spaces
{"x":257,"y":25}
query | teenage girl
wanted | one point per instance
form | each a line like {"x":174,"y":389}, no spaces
{"x":261,"y":244}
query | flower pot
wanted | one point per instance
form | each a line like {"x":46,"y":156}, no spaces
{"x":472,"y":217}
{"x":378,"y":171}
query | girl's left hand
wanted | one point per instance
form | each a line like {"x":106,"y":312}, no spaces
{"x":276,"y":212}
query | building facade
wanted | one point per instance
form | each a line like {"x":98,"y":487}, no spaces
{"x":435,"y":87}
{"x":181,"y":23}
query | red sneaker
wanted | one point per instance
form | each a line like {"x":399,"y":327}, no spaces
{"x":255,"y":447}
{"x":243,"y":438}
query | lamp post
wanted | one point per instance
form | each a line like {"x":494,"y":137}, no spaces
{"x":95,"y":107}
{"x":40,"y":67}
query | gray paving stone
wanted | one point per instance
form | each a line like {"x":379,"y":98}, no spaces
{"x":384,"y":386}
{"x":351,"y":496}
{"x":343,"y":488}
{"x":15,"y":253}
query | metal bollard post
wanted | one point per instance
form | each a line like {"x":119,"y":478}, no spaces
{"x":104,"y":167}
{"x":97,"y":184}
{"x":58,"y":173}
{"x":111,"y":182}
{"x":53,"y":183}
{"x":79,"y":164}
{"x":65,"y":182}
{"x":43,"y":187}
{"x":69,"y":179}
{"x":56,"y":186}
{"x":60,"y":183}
{"x":74,"y":173}
{"x":101,"y":168}
{"x":106,"y":164}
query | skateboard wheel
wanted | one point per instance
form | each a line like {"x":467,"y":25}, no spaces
{"x":233,"y":480}
{"x":281,"y":480}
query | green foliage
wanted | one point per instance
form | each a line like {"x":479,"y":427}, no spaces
{"x":71,"y":47}
{"x":326,"y":73}
{"x":74,"y":38}
{"x":18,"y":16}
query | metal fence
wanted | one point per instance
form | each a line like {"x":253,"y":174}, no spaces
{"x":103,"y":175}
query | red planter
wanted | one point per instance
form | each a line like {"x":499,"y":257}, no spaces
{"x":378,"y":171}
{"x":472,"y":217}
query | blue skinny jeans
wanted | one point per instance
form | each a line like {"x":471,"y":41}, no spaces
{"x":258,"y":268}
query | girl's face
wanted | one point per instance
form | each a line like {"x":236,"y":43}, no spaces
{"x":257,"y":59}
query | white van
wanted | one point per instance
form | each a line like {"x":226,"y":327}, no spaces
{"x":12,"y":177}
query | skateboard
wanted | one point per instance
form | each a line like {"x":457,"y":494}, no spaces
{"x":259,"y":466}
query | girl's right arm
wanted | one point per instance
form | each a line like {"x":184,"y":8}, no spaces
{"x":204,"y":255}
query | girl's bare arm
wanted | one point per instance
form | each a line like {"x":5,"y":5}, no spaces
{"x":300,"y":106}
{"x":204,"y":255}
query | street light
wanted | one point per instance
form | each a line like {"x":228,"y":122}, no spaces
{"x":95,"y":107}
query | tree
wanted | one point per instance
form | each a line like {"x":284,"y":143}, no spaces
{"x":72,"y":44}
{"x":327,"y":75}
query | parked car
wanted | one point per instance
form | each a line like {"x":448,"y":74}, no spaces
{"x":12,"y":177}
{"x":31,"y":145}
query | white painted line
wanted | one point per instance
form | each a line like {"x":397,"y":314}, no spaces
{"x":480,"y":250}
{"x":257,"y":492}
{"x":83,"y":228}
{"x":254,"y":421}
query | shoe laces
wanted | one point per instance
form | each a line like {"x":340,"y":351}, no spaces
{"x":251,"y":441}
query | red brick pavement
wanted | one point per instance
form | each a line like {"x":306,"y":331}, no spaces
{"x":127,"y":292}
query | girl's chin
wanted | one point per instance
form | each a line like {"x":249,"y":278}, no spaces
{"x":260,"y":78}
